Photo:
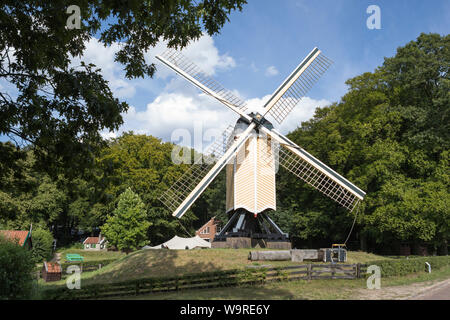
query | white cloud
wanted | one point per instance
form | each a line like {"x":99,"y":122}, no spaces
{"x":271,"y":71}
{"x":253,"y":67}
{"x":173,"y":113}
{"x":202,"y":52}
{"x":180,"y":108}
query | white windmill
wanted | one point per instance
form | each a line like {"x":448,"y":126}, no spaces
{"x":251,"y":150}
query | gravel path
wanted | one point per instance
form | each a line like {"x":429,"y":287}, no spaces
{"x":429,"y":290}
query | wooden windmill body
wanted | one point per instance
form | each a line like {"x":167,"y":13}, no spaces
{"x":250,"y":176}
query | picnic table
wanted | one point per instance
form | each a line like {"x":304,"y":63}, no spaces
{"x":74,"y":257}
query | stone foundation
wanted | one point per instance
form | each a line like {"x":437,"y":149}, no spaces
{"x":244,"y":242}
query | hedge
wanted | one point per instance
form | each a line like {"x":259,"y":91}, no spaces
{"x":391,"y":268}
{"x":91,"y":263}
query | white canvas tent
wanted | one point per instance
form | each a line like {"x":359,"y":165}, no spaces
{"x":178,"y":243}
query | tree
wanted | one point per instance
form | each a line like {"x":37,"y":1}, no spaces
{"x":42,"y":245}
{"x":16,"y":265}
{"x":143,"y":163}
{"x":389,"y":135}
{"x":127,"y":228}
{"x":59,"y":109}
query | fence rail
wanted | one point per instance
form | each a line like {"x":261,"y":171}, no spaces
{"x":249,"y":276}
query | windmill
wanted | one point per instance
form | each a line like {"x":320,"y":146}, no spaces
{"x":251,"y":151}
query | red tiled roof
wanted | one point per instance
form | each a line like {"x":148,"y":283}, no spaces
{"x":52,"y":267}
{"x":19,"y":236}
{"x":92,"y":240}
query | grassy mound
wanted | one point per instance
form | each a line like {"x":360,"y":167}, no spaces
{"x":162,"y":263}
{"x":91,"y":255}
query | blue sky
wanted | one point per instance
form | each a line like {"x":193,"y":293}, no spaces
{"x":257,"y":49}
{"x":275,"y":36}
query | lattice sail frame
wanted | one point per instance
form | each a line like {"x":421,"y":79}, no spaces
{"x":301,"y":168}
{"x":178,"y":192}
{"x":183,"y":63}
{"x":300,"y":87}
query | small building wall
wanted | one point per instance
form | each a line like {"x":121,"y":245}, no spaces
{"x":53,"y":275}
{"x":89,"y":247}
{"x":208,"y":230}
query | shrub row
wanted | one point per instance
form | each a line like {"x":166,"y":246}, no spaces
{"x":91,"y":263}
{"x":401,"y":267}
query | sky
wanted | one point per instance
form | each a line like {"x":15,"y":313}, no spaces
{"x":255,"y":51}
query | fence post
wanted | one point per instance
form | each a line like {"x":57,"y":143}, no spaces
{"x":358,"y":270}
{"x":309,"y":271}
{"x":333,"y":271}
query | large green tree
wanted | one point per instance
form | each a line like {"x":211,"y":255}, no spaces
{"x":58,"y":109}
{"x":126,"y":228}
{"x":143,"y":163}
{"x":390,"y":135}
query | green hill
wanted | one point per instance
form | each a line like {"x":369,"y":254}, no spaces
{"x":160,"y":263}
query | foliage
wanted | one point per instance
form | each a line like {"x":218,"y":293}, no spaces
{"x":390,"y":136}
{"x":391,"y":268}
{"x":127,"y":228}
{"x":16,"y":265}
{"x":42,"y":245}
{"x":144,"y":164}
{"x":60,"y":109}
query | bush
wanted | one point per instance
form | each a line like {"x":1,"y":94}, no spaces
{"x":16,"y":265}
{"x":390,"y":268}
{"x":42,"y":245}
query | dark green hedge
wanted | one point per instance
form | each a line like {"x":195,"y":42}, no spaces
{"x":92,"y":263}
{"x":390,"y":268}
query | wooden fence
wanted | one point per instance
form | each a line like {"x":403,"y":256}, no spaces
{"x":249,"y":276}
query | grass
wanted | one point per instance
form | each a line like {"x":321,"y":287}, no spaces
{"x":297,"y":290}
{"x":161,"y":263}
{"x":91,"y":255}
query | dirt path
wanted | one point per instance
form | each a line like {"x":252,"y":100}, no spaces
{"x":416,"y":291}
{"x":441,"y":291}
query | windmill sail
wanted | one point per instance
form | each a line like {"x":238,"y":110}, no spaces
{"x":182,"y":194}
{"x":189,"y":70}
{"x":295,"y":87}
{"x":315,"y":173}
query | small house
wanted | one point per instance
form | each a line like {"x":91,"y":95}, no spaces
{"x":95,"y":243}
{"x":22,"y":238}
{"x":51,"y":271}
{"x":208,"y":230}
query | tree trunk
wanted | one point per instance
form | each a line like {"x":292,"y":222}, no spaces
{"x":363,"y":243}
{"x":279,"y":255}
